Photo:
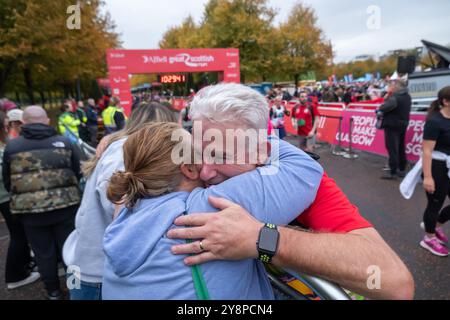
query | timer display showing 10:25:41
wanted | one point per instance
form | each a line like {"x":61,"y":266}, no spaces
{"x":173,"y":78}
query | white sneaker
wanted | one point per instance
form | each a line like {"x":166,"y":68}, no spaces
{"x":34,"y":276}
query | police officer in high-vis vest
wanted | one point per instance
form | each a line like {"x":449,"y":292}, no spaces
{"x":113,"y":116}
{"x":68,"y":122}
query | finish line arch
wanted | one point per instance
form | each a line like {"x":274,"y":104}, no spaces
{"x":123,"y":63}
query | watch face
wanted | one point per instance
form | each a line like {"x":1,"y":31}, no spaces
{"x":268,"y":240}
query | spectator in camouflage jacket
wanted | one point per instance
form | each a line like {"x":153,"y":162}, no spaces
{"x":41,"y":170}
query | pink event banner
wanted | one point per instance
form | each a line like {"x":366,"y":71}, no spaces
{"x":367,"y":138}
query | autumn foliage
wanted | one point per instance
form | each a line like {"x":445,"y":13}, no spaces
{"x":267,"y":52}
{"x":40,"y":54}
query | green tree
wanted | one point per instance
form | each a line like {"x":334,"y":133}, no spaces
{"x":304,"y":45}
{"x":8,"y":8}
{"x":184,"y":36}
{"x":46,"y":53}
{"x":247,"y":25}
{"x":386,"y":66}
{"x":267,"y":52}
{"x":242,"y":24}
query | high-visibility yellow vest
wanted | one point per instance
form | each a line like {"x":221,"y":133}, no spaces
{"x":108,"y":117}
{"x":67,"y":121}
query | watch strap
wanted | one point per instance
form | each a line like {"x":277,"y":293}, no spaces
{"x":264,"y":255}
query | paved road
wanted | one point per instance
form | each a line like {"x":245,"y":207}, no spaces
{"x":395,"y":218}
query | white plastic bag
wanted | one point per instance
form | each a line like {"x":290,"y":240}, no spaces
{"x":409,"y":183}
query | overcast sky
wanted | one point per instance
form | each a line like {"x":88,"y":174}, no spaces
{"x":402,"y":24}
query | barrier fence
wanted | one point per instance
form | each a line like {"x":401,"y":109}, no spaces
{"x":352,"y":127}
{"x":358,"y":132}
{"x":350,"y":154}
{"x":338,"y":151}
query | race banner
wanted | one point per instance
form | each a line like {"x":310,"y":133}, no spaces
{"x":123,"y":63}
{"x":365,"y":136}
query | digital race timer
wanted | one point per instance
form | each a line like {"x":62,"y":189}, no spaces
{"x":172,"y":78}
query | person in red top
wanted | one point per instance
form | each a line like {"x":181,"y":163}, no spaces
{"x":332,"y":211}
{"x":305,"y":117}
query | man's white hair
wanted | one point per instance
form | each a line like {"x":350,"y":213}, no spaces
{"x":231,"y":102}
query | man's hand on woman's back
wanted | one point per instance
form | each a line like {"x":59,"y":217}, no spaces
{"x":227,"y":235}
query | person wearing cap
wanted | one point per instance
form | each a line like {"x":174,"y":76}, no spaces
{"x":7,"y":105}
{"x":18,"y":263}
{"x":15,"y":122}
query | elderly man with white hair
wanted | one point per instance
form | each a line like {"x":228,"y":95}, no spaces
{"x":342,"y":250}
{"x":41,"y":171}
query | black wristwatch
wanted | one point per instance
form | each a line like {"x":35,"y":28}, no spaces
{"x":268,"y":242}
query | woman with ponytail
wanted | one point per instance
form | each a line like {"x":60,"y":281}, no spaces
{"x":436,"y":173}
{"x":83,"y":249}
{"x":159,"y":184}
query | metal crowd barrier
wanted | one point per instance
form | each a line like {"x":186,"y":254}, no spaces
{"x":298,"y":286}
{"x":350,"y":154}
{"x":347,"y":153}
{"x":87,"y":150}
{"x":363,"y":106}
{"x":332,"y":105}
{"x":339,"y":151}
{"x":326,"y":290}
